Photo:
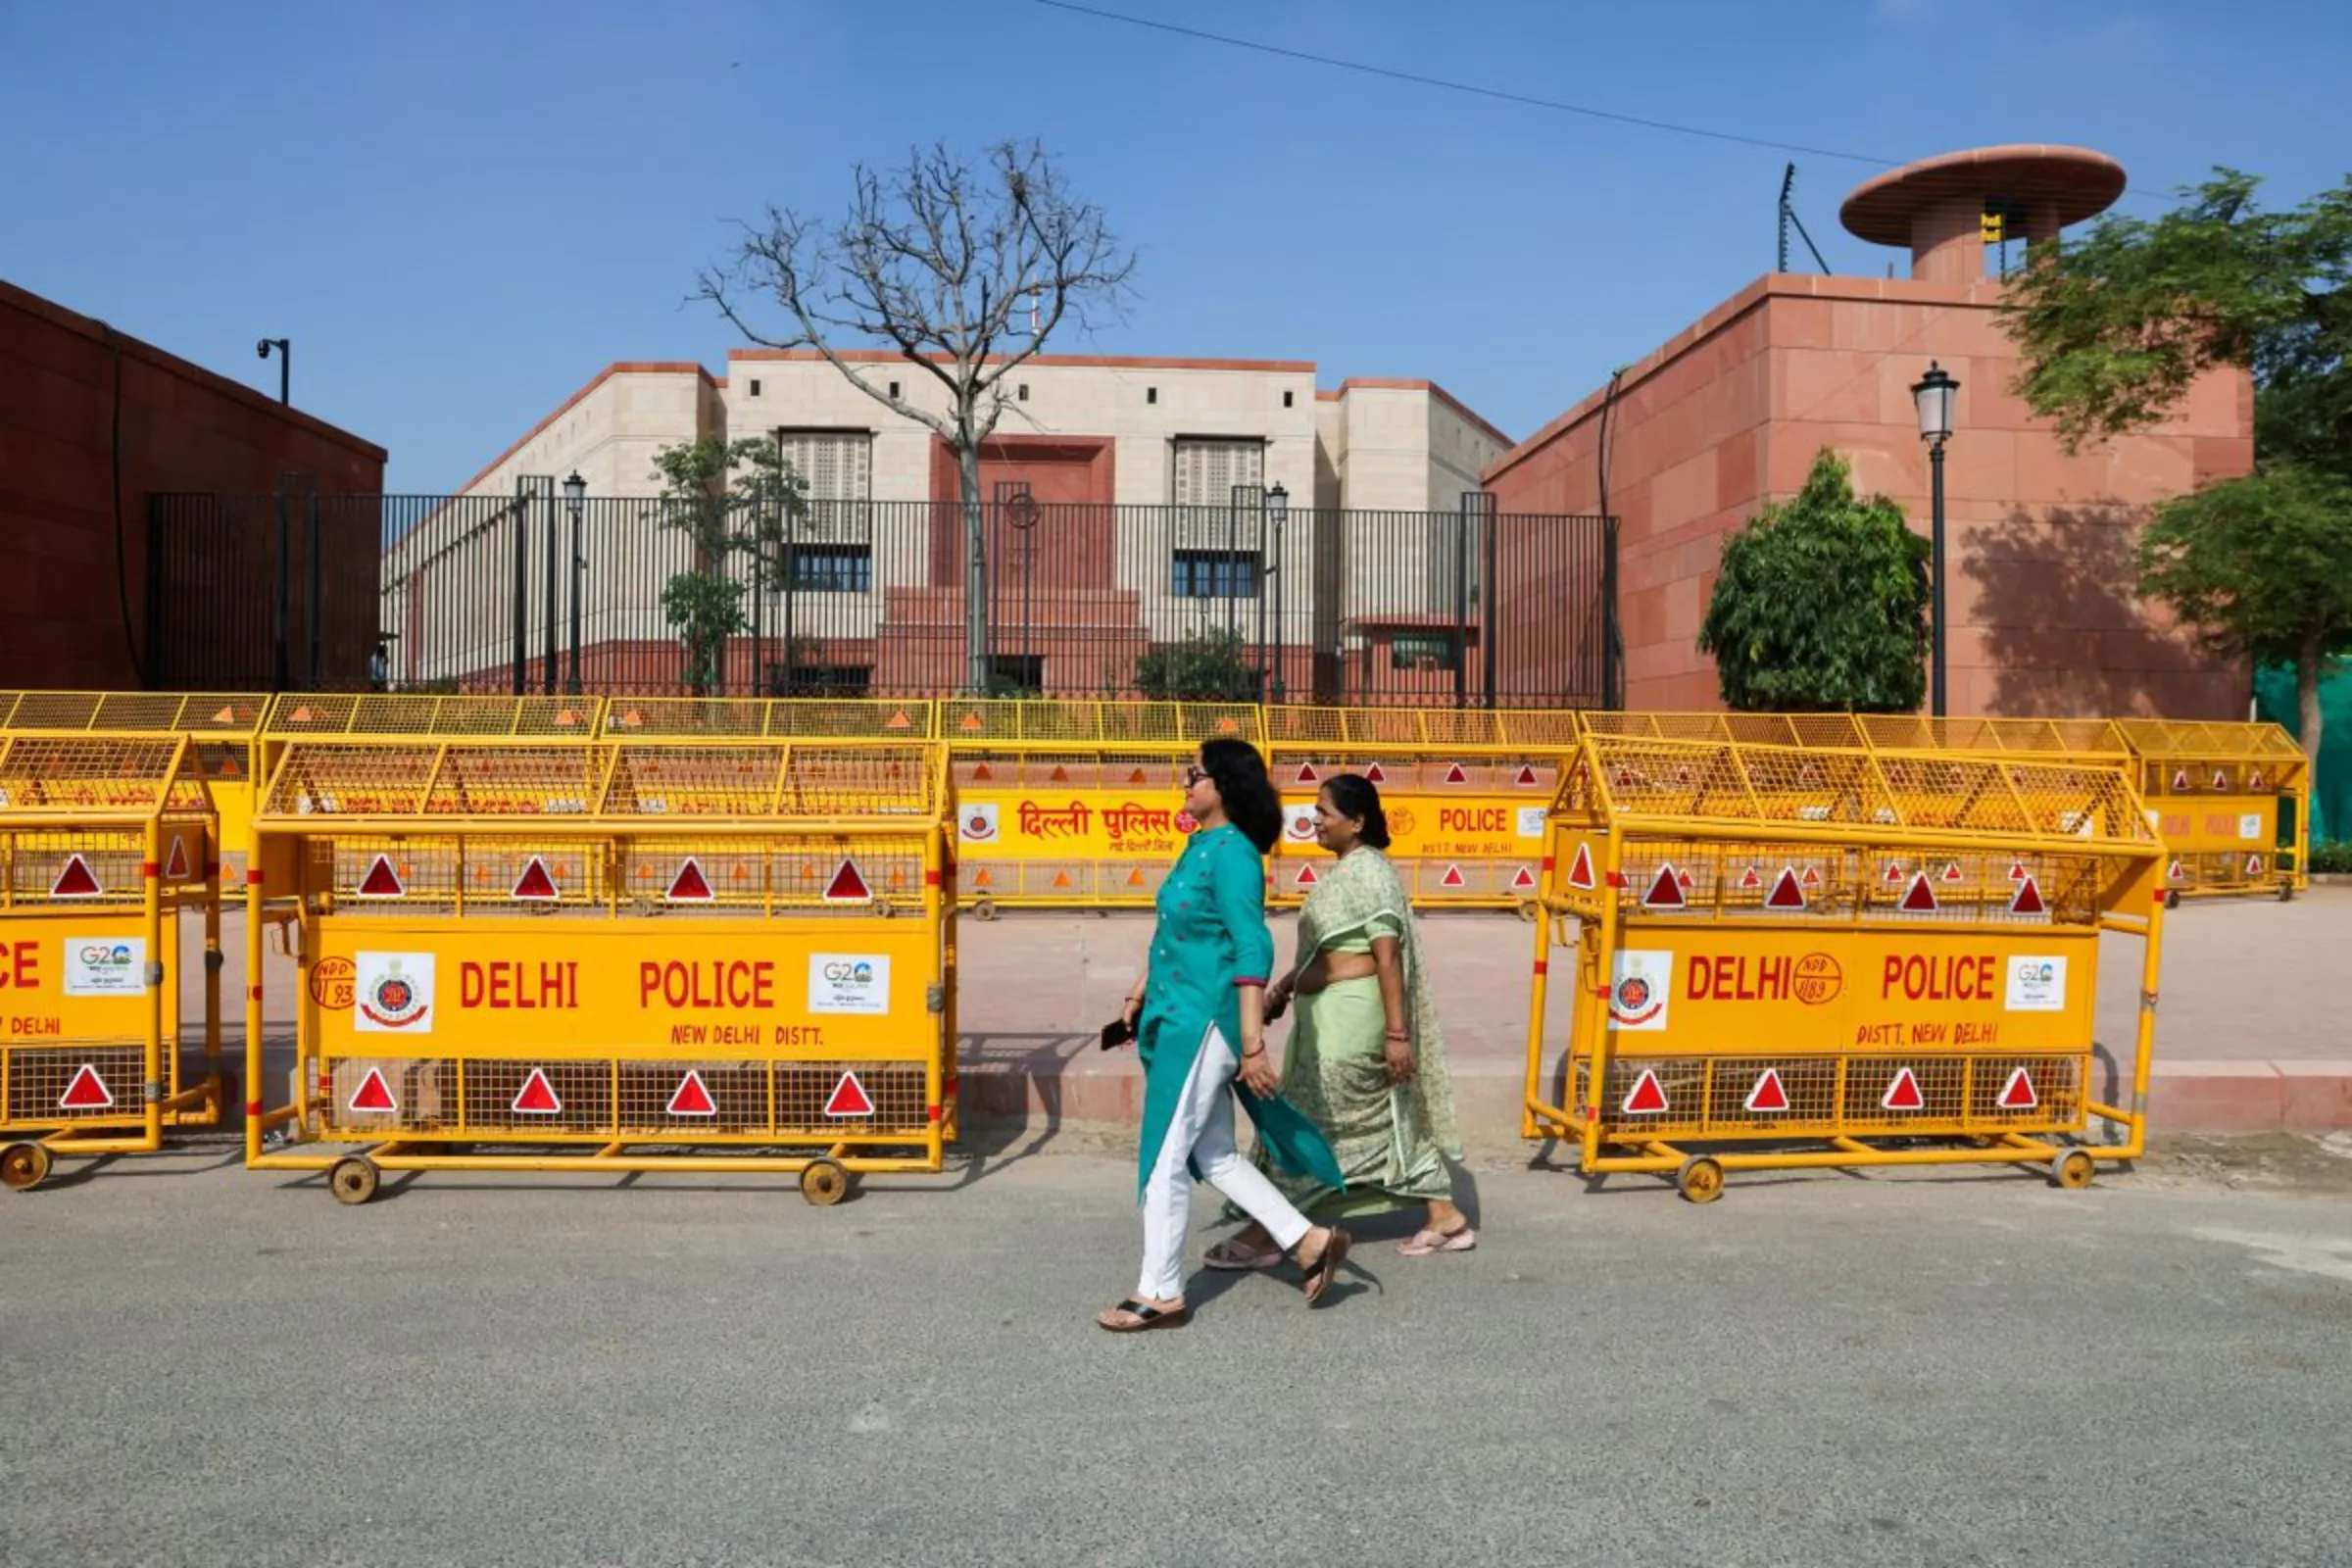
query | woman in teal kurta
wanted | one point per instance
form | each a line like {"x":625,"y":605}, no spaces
{"x":1200,"y":1019}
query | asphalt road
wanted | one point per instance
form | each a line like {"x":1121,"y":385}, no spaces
{"x":203,"y":1365}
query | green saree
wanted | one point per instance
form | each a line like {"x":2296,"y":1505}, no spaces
{"x":1395,"y":1137}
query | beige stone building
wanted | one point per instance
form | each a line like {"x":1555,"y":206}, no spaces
{"x":1142,"y":524}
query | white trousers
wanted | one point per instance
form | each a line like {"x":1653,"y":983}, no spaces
{"x":1202,"y":1130}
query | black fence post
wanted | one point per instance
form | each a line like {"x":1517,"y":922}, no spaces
{"x":316,"y":610}
{"x":1490,"y":525}
{"x":282,"y":672}
{"x":522,"y":573}
{"x":1461,"y":603}
{"x":1610,"y":696}
{"x":548,"y":649}
{"x":157,"y":666}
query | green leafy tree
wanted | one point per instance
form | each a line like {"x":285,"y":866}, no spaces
{"x":731,"y":500}
{"x":2116,"y":329}
{"x":1821,"y":604}
{"x":1211,"y":666}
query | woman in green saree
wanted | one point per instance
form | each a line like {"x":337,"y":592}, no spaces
{"x":1365,"y":1060}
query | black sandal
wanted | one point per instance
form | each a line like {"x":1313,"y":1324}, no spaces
{"x":1148,"y":1317}
{"x":1324,"y":1269}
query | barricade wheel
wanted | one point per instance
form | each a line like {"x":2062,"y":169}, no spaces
{"x":354,"y":1179}
{"x":2171,"y":898}
{"x":1529,"y":913}
{"x":884,"y":909}
{"x":824,"y":1182}
{"x":2286,"y":892}
{"x":1701,"y":1180}
{"x":24,"y":1166}
{"x":2072,"y":1170}
{"x":984,"y":910}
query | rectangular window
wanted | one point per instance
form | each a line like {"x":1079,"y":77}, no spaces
{"x":1016,"y":674}
{"x":1215,"y":574}
{"x":834,"y":464}
{"x":829,"y":569}
{"x":1208,"y":470}
{"x":1423,"y":651}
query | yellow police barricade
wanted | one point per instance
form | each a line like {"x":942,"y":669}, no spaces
{"x":613,"y":949}
{"x":1466,"y":792}
{"x":1074,"y":805}
{"x":225,"y":727}
{"x":2218,"y":793}
{"x":1755,"y":729}
{"x":107,"y":840}
{"x":1835,"y":949}
{"x":774,"y":718}
{"x":2040,"y":737}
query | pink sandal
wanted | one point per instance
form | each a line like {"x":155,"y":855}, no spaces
{"x":1426,"y":1242}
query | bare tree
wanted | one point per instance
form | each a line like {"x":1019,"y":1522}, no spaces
{"x":965,"y":270}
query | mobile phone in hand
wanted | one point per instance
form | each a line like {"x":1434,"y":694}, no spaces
{"x":1116,"y":1033}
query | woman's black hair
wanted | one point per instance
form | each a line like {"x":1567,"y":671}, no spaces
{"x":1250,"y":802}
{"x":1355,"y":796}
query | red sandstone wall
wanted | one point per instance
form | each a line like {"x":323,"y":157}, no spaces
{"x":61,"y":579}
{"x":1731,"y":412}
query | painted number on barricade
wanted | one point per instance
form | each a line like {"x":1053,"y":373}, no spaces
{"x":1734,"y":993}
{"x":508,"y":988}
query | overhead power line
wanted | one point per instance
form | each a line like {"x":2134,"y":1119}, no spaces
{"x":1499,"y":95}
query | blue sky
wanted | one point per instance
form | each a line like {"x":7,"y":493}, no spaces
{"x":459,"y":212}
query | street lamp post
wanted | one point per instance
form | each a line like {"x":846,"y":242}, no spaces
{"x":285,"y":364}
{"x":1278,"y":512}
{"x":575,"y":491}
{"x":1936,"y":395}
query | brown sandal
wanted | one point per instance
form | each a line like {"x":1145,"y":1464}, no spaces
{"x":1325,"y":1269}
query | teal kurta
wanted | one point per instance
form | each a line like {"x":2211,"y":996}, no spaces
{"x":1211,"y":936}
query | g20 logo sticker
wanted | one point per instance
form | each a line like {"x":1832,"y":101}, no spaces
{"x":853,"y":983}
{"x":393,"y":993}
{"x":105,"y":966}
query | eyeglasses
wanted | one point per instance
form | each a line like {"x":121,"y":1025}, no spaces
{"x":1193,"y":776}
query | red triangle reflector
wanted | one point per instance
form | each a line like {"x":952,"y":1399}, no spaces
{"x":1306,"y":774}
{"x":1920,"y":899}
{"x":1895,"y":873}
{"x":1769,"y":1094}
{"x":1624,"y":779}
{"x":899,"y":720}
{"x":1455,"y":775}
{"x":2028,"y":899}
{"x":2019,"y":1095}
{"x":2172,"y":874}
{"x":535,"y":882}
{"x":1666,"y":892}
{"x":381,"y":881}
{"x":1903,"y":1093}
{"x":2221,"y":780}
{"x":849,"y":1098}
{"x":969,"y":722}
{"x":1645,"y":1098}
{"x":175,"y":868}
{"x":1786,"y":894}
{"x":1580,"y":871}
{"x":1812,"y":877}
{"x":1306,"y":876}
{"x":87,"y":1092}
{"x":2017,"y":871}
{"x":75,"y":880}
{"x":2181,"y":782}
{"x":1138,"y":776}
{"x":1527,"y":779}
{"x":692,"y":1098}
{"x":537,"y":1097}
{"x":1685,"y":879}
{"x":373,"y":1095}
{"x":1752,"y":878}
{"x":226,"y":715}
{"x":300,"y":715}
{"x":690,"y":886}
{"x":847,"y":885}
{"x":1373,"y":776}
{"x":2253,"y":865}
{"x":1059,"y":775}
{"x":1061,"y":879}
{"x":1452,"y":878}
{"x":1523,"y":881}
{"x":981,"y":773}
{"x":1951,"y":871}
{"x":1135,"y":878}
{"x":2254,"y":782}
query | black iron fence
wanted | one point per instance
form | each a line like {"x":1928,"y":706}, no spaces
{"x":532,"y":592}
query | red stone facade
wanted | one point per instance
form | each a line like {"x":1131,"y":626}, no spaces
{"x":91,"y":423}
{"x":1730,"y":414}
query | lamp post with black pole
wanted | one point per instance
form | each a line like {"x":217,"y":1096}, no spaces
{"x":1277,"y":512}
{"x":1935,"y":396}
{"x":285,"y":364}
{"x":575,"y":491}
